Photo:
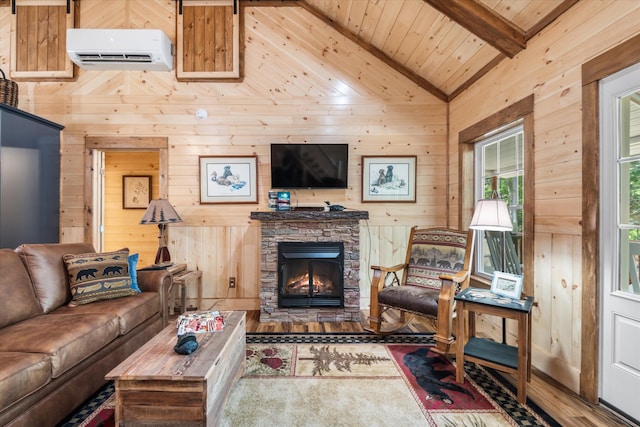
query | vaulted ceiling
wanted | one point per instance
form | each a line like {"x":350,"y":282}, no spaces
{"x":442,"y":45}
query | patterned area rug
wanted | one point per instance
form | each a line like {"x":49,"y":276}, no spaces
{"x":357,"y":380}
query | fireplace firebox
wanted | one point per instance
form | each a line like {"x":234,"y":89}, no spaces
{"x":310,"y":274}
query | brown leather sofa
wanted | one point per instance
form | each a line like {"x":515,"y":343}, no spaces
{"x":52,"y":356}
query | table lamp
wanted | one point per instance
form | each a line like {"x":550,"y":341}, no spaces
{"x":493,"y":215}
{"x":162,"y":213}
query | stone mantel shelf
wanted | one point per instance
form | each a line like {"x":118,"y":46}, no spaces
{"x":304,"y":215}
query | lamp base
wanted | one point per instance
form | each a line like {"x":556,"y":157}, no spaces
{"x":163,"y":256}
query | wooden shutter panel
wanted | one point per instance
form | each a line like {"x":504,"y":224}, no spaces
{"x":208,"y":40}
{"x":39,"y":38}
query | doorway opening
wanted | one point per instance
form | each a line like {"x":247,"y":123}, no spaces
{"x":112,"y":222}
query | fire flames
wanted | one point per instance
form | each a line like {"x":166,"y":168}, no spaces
{"x":300,"y":284}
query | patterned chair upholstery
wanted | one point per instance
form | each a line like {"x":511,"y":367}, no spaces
{"x":436,"y":267}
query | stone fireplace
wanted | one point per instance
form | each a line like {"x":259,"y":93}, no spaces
{"x":299,"y":226}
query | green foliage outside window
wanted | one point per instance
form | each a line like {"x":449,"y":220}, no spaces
{"x":634,"y":199}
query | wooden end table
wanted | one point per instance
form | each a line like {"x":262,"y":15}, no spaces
{"x":157,"y":386}
{"x":485,"y":352}
{"x":181,"y":277}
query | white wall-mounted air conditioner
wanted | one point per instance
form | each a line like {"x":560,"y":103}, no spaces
{"x":120,"y":49}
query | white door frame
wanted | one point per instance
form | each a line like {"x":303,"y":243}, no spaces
{"x":619,"y":335}
{"x":98,"y":199}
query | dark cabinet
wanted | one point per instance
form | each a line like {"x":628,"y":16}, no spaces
{"x":29,"y":178}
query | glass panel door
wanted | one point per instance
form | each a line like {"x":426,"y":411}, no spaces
{"x":629,"y":187}
{"x":619,"y":240}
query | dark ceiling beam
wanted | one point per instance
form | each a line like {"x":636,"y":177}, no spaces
{"x":420,"y":81}
{"x":484,"y":23}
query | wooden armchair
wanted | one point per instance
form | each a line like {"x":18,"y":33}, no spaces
{"x":437,"y":266}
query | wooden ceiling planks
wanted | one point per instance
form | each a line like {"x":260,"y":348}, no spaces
{"x":511,"y":10}
{"x":375,"y":51}
{"x":446,"y":51}
{"x":401,"y":29}
{"x":416,"y":34}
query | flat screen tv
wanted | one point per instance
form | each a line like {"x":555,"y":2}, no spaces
{"x":309,"y":166}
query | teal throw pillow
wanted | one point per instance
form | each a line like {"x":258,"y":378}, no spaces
{"x":133,"y":264}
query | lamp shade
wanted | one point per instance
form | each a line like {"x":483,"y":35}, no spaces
{"x":492,"y":215}
{"x":160,"y":211}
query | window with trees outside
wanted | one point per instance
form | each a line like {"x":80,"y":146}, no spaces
{"x":500,"y":172}
{"x":626,"y":159}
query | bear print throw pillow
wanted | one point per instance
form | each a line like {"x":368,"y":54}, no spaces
{"x":98,"y":276}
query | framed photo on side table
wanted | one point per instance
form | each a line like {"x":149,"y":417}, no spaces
{"x":389,"y":179}
{"x":228,"y":179}
{"x":136,"y":191}
{"x":507,"y":285}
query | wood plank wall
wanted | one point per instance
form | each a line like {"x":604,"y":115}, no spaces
{"x":296,"y":87}
{"x":550,"y":69}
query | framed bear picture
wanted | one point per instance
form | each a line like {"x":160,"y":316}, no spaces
{"x":389,"y":179}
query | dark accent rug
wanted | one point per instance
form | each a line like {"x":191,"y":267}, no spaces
{"x":303,"y":379}
{"x":98,"y":411}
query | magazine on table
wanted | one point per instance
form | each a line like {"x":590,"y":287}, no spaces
{"x":201,"y":322}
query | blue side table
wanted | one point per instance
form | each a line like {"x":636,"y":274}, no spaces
{"x":485,"y":352}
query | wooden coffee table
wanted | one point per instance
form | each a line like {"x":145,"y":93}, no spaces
{"x":156,"y":386}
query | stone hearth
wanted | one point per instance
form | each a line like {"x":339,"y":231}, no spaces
{"x":309,"y":226}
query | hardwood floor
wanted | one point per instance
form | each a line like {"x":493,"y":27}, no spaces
{"x":559,"y":402}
